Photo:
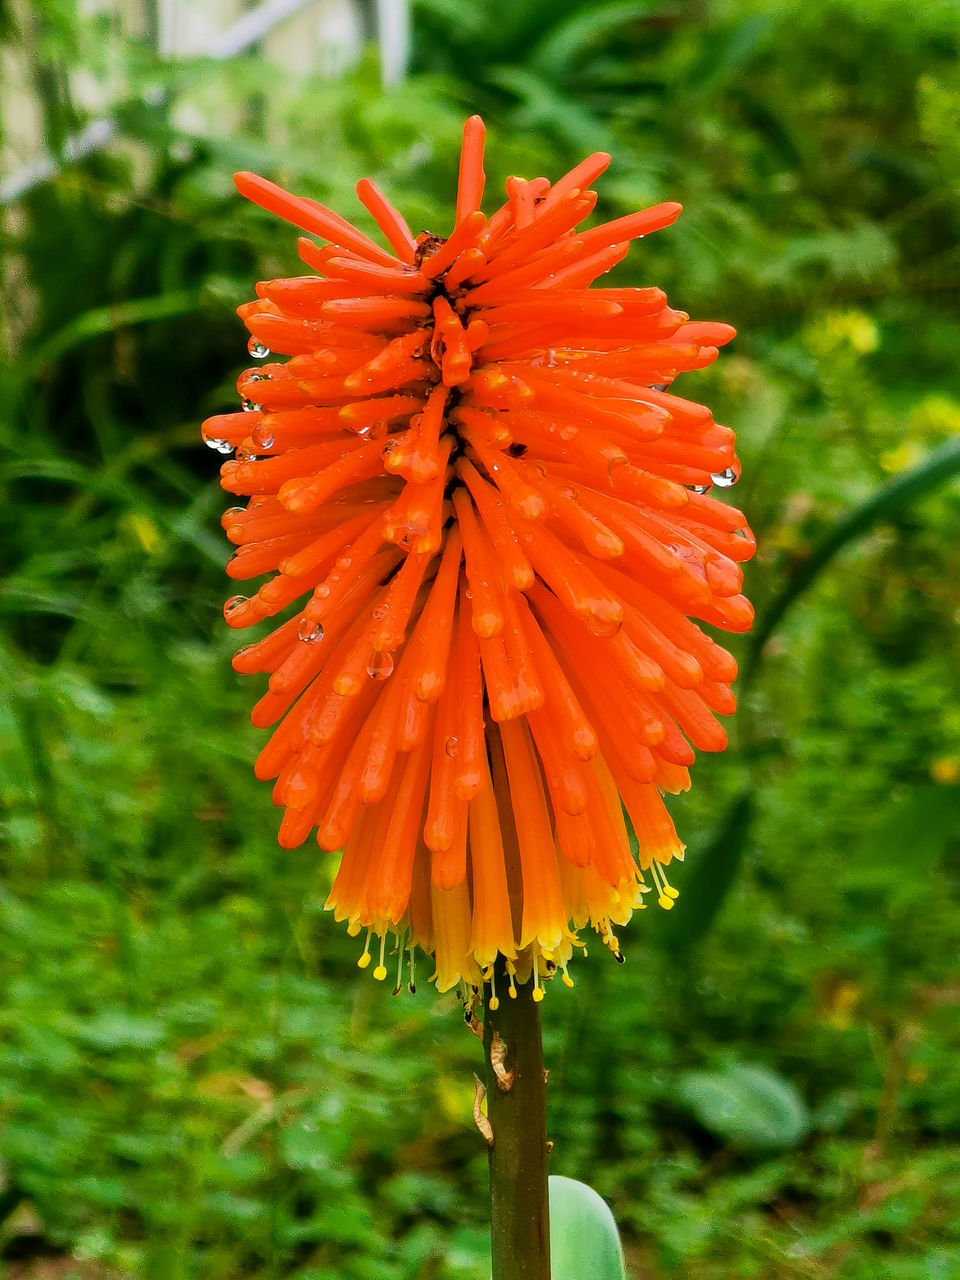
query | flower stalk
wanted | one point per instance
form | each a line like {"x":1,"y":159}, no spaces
{"x":517,"y":1112}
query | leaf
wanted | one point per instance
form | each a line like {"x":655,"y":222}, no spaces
{"x":561,"y":47}
{"x":713,"y":870}
{"x":923,"y":821}
{"x":751,"y":1107}
{"x":584,"y":1241}
{"x":941,"y":464}
{"x":101,"y":320}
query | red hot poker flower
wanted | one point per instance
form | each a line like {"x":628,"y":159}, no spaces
{"x":490,"y":525}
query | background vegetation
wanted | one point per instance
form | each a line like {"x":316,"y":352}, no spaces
{"x":195,"y":1082}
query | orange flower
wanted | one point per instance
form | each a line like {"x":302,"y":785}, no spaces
{"x":489,"y":525}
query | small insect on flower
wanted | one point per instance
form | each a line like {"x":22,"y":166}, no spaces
{"x":489,"y":529}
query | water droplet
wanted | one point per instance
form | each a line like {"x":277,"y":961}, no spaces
{"x":726,"y":479}
{"x":233,"y":604}
{"x":379,"y":665}
{"x":257,"y":349}
{"x":344,"y":562}
{"x":248,"y":406}
{"x":235,"y":511}
{"x":310,"y":632}
{"x":700,"y":488}
{"x":451,"y":747}
{"x":244,"y":455}
{"x":218,"y":446}
{"x":605,"y":628}
{"x":322,"y":591}
{"x":263,"y":439}
{"x":379,"y":613}
{"x":659,"y":386}
{"x":257,"y":377}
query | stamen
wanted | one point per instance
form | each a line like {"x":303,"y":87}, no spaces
{"x":364,"y":960}
{"x":537,"y":993}
{"x":494,"y":1001}
{"x":380,"y":972}
{"x":511,"y":972}
{"x":400,"y":953}
{"x":667,"y":893}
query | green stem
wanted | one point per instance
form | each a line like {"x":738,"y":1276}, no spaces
{"x":517,"y":1110}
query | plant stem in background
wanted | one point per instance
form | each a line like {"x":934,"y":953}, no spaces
{"x":517,"y":1111}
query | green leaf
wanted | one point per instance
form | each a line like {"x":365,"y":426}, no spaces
{"x":751,"y":1107}
{"x":925,"y":821}
{"x":941,"y":464}
{"x":557,"y":52}
{"x":584,"y":1241}
{"x":713,"y":871}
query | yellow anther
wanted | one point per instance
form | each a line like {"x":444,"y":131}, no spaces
{"x":537,"y":994}
{"x":566,"y":979}
{"x":671,"y":892}
{"x":493,"y":1003}
{"x":364,"y":960}
{"x":380,"y":972}
{"x":665,"y":902}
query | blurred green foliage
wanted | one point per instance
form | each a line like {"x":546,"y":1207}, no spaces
{"x":194,"y":1080}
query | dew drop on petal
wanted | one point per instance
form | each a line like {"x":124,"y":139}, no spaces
{"x":726,"y":479}
{"x":310,"y":632}
{"x":263,"y":439}
{"x":233,"y":604}
{"x":322,"y":591}
{"x":257,"y":349}
{"x":248,"y":406}
{"x":379,"y":665}
{"x":379,"y":613}
{"x":451,"y":747}
{"x":604,"y":628}
{"x":700,"y":488}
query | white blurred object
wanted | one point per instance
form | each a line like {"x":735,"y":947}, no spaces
{"x":306,"y":36}
{"x":393,"y":36}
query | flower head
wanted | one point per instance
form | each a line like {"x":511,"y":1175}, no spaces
{"x":489,"y":526}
